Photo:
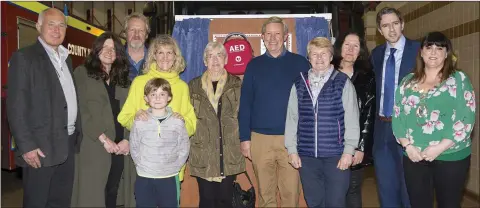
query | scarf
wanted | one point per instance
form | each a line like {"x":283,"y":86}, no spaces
{"x":317,"y":81}
{"x":207,"y":86}
{"x":214,"y":97}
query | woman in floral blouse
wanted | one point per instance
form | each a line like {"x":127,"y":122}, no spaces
{"x":434,"y":116}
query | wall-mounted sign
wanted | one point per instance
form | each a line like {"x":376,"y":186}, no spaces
{"x":77,"y":50}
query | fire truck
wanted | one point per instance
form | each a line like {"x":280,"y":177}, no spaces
{"x":18,"y":30}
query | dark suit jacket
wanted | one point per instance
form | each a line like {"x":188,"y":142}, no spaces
{"x":383,"y":130}
{"x":36,"y":106}
{"x":408,"y":63}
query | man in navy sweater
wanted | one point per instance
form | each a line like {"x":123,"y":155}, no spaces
{"x":263,"y":107}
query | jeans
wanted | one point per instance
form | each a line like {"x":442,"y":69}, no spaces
{"x":324,"y":185}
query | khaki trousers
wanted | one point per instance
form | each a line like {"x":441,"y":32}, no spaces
{"x":272,"y":170}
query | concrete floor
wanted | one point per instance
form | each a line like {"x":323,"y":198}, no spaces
{"x":12,"y":191}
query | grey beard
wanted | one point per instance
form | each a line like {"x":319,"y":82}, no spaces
{"x":135,"y":46}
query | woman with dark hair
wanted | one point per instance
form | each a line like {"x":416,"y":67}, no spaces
{"x":102,"y":86}
{"x":434,"y":115}
{"x":351,"y":58}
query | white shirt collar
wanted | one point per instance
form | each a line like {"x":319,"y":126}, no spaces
{"x":62,"y":51}
{"x":399,"y":46}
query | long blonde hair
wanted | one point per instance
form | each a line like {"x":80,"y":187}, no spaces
{"x":165,"y":41}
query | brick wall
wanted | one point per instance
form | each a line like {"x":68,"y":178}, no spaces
{"x":460,"y":22}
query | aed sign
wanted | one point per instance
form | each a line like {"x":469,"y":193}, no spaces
{"x":237,"y":48}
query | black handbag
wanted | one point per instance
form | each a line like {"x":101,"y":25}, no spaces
{"x":241,"y":198}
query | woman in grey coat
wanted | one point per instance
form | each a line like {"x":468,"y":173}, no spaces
{"x":102,"y":86}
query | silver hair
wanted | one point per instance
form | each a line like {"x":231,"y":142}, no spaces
{"x":41,"y":15}
{"x":212,"y":46}
{"x":138,"y":16}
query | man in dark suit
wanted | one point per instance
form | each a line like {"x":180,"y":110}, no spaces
{"x":42,"y":112}
{"x":391,"y":62}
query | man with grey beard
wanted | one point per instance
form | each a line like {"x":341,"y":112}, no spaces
{"x":137,"y":30}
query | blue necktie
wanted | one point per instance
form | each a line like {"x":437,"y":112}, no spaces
{"x":389,"y":84}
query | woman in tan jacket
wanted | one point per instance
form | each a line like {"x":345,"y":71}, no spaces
{"x":215,"y":157}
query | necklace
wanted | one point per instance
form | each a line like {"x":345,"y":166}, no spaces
{"x":422,"y":109}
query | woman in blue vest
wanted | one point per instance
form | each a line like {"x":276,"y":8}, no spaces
{"x":351,"y":58}
{"x":322,"y":128}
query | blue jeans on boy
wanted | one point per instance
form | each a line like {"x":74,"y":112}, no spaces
{"x":153,"y":192}
{"x":324,"y":185}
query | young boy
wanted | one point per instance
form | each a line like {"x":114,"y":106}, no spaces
{"x":159,"y":148}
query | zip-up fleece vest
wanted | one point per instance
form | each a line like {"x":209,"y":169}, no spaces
{"x":321,"y":126}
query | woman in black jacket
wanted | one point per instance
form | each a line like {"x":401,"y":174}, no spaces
{"x":351,"y":58}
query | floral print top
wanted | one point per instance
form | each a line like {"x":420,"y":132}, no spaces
{"x":447,"y":111}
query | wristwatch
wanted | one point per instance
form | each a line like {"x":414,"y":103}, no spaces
{"x":405,"y":147}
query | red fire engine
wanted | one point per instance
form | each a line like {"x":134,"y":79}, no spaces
{"x":18,"y":30}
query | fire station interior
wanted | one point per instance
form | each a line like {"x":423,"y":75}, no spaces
{"x":345,"y":16}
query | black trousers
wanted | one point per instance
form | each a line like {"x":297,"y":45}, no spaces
{"x":215,"y":194}
{"x":113,"y":182}
{"x":50,"y":186}
{"x":447,"y":178}
{"x":354,"y":194}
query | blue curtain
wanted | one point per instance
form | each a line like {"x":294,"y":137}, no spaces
{"x":192,"y":37}
{"x":308,"y":28}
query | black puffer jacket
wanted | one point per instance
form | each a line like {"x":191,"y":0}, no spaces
{"x":364,"y":82}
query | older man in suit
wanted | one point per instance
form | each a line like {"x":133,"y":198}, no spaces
{"x":42,"y":112}
{"x":391,"y":62}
